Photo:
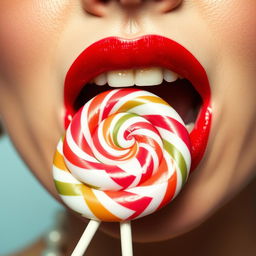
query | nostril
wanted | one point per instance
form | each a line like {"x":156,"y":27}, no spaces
{"x":99,"y":7}
{"x":168,"y":5}
{"x":130,"y":2}
{"x":95,"y":7}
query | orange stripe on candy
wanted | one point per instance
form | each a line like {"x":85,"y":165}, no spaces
{"x":154,"y":99}
{"x":140,"y":101}
{"x":93,"y":111}
{"x":129,"y":104}
{"x":162,"y":171}
{"x":154,"y":144}
{"x":58,"y":161}
{"x":96,"y":207}
{"x":106,"y":132}
{"x":132,"y":152}
{"x":170,"y":191}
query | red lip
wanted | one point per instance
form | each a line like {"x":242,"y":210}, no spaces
{"x":151,"y":50}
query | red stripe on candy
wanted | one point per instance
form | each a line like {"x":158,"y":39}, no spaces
{"x":171,"y":125}
{"x":132,"y":201}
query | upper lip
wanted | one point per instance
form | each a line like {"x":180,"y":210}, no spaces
{"x":114,"y":53}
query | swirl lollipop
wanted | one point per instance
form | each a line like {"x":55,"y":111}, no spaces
{"x":125,"y":155}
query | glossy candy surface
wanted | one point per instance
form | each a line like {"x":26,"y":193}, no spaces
{"x":126,"y":154}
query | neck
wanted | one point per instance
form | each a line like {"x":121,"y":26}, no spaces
{"x":231,"y":231}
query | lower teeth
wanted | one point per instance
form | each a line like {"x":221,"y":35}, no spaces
{"x":190,"y":126}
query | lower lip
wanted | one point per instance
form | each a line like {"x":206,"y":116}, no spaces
{"x":152,"y":50}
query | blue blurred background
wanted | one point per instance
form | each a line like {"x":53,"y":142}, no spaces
{"x":27,"y":210}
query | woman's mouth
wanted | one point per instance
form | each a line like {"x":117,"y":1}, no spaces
{"x":156,"y":64}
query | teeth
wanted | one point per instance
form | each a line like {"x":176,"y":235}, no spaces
{"x":140,"y":77}
{"x":101,"y":79}
{"x":148,"y":76}
{"x":170,"y":76}
{"x":190,"y":126}
{"x":120,"y":78}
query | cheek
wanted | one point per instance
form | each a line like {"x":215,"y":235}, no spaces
{"x":233,"y":24}
{"x":28,"y":30}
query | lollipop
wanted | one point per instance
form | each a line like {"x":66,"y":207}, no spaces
{"x":125,"y":155}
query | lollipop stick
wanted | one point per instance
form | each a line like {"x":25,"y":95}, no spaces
{"x":126,"y":238}
{"x":86,"y":238}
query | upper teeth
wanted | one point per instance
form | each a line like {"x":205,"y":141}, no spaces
{"x":140,"y":77}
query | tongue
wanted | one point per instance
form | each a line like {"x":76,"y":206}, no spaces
{"x":181,"y":96}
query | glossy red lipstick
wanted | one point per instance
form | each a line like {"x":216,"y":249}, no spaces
{"x":115,"y":53}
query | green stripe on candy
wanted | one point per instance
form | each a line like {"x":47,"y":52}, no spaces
{"x":119,"y":123}
{"x":179,"y":159}
{"x":68,"y":189}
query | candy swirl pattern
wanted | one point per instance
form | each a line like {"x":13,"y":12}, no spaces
{"x":126,"y":154}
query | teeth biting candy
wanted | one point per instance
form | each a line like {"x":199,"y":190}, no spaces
{"x":125,"y":155}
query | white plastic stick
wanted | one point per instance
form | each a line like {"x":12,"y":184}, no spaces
{"x":126,"y":238}
{"x":86,"y":238}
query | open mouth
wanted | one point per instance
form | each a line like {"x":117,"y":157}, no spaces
{"x":179,"y":93}
{"x":152,"y":63}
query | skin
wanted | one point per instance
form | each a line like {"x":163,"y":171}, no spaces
{"x":40,"y":39}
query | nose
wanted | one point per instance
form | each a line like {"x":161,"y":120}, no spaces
{"x":100,"y":7}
